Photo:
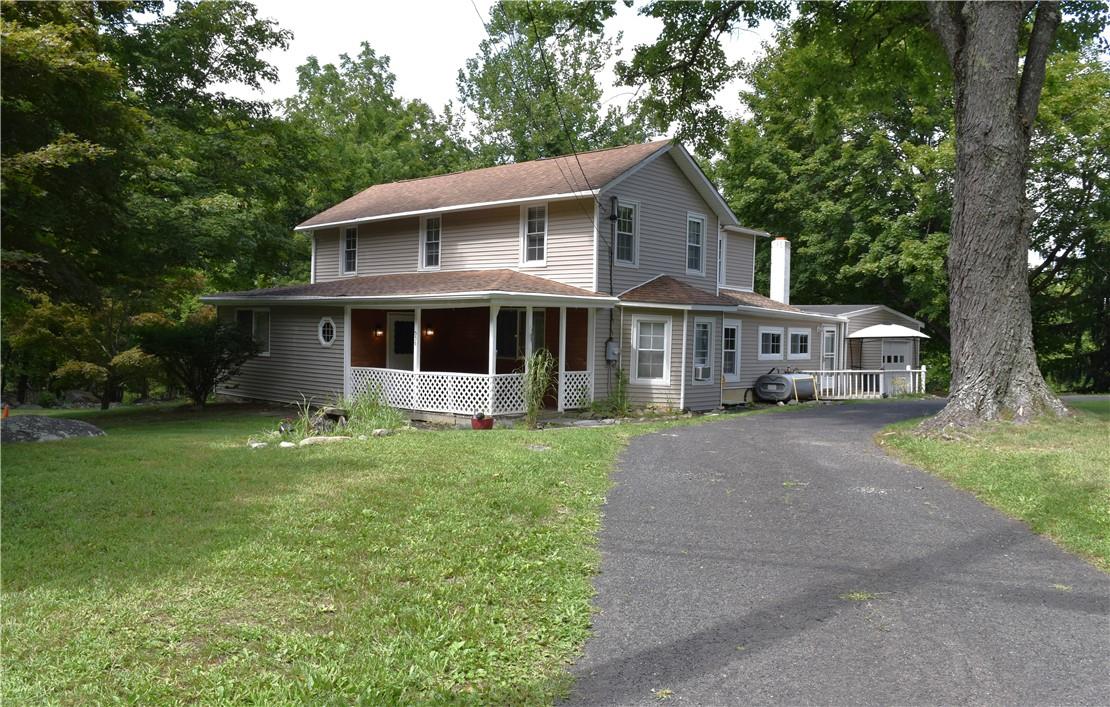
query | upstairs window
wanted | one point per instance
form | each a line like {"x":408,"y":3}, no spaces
{"x":626,"y":234}
{"x":350,"y":250}
{"x":535,"y":234}
{"x":430,"y":243}
{"x":257,"y":322}
{"x":695,"y":244}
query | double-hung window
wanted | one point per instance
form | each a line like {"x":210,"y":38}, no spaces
{"x":770,"y":343}
{"x":695,"y":243}
{"x":429,"y":243}
{"x":799,"y":343}
{"x":535,"y":235}
{"x":730,"y":350}
{"x":650,"y":337}
{"x":626,"y":234}
{"x":257,"y":323}
{"x":703,"y":354}
{"x":350,"y":250}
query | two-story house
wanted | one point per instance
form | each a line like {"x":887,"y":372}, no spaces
{"x":432,"y":292}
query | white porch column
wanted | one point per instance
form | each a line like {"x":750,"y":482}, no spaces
{"x":562,"y":355}
{"x":493,"y":310}
{"x":346,"y":341}
{"x":527,"y":335}
{"x":416,"y":336}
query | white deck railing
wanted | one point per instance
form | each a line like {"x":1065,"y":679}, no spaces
{"x":860,"y":385}
{"x":462,"y":393}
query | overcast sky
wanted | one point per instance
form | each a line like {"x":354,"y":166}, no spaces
{"x":428,"y":41}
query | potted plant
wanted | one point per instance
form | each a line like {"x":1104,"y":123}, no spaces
{"x":480,"y":422}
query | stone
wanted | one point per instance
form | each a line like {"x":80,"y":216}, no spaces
{"x":256,"y":445}
{"x":362,"y":438}
{"x":79,"y":396}
{"x":39,"y":428}
{"x":608,"y":421}
{"x":382,"y":432}
{"x":586,"y":423}
{"x":321,"y":439}
{"x":539,"y":448}
{"x":286,"y":445}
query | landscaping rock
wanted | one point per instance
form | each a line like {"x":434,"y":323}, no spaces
{"x":79,"y":396}
{"x":39,"y":428}
{"x":586,"y":423}
{"x":539,"y":448}
{"x":286,"y":445}
{"x":308,"y":441}
{"x":256,"y":445}
{"x":362,"y":438}
{"x":382,"y":432}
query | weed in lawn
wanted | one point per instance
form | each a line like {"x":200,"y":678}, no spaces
{"x":856,"y":596}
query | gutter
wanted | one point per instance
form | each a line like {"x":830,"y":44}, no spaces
{"x":681,"y":307}
{"x":778,"y":313}
{"x":438,"y":297}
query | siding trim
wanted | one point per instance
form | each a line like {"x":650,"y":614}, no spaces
{"x":312,"y":263}
{"x":682,"y":376}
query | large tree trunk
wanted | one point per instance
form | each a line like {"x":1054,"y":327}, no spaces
{"x":994,"y":368}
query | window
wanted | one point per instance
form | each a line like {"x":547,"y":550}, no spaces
{"x":799,"y":343}
{"x":325,"y":331}
{"x":626,"y":233}
{"x":703,"y":361}
{"x":730,"y":350}
{"x":430,"y":243}
{"x":535,"y":234}
{"x":652,"y":359}
{"x":350,"y":250}
{"x":257,"y":322}
{"x":770,"y":343}
{"x":695,"y":243}
{"x":512,"y":332}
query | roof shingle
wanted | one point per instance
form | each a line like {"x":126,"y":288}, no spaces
{"x":665,"y":289}
{"x":522,"y":180}
{"x":751,"y":299}
{"x":416,"y":284}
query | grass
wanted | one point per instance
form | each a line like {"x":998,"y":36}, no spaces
{"x":166,"y":562}
{"x":1052,"y":474}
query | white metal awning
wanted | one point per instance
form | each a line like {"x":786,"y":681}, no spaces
{"x":887,"y":331}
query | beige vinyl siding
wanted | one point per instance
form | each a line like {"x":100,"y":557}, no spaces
{"x":481,"y":239}
{"x":644,"y":394}
{"x":739,"y":260}
{"x":752,"y":368}
{"x":327,"y":255}
{"x":703,"y":395}
{"x":298,"y":365}
{"x":872,"y":349}
{"x":605,"y":376}
{"x":665,"y":196}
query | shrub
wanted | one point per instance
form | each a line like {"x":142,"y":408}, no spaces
{"x":539,"y":378}
{"x":617,"y":404}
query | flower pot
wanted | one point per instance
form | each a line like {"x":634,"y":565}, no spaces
{"x":481,"y":423}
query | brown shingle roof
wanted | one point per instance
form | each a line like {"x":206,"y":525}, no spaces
{"x":416,"y":284}
{"x":523,"y":180}
{"x":665,"y":289}
{"x":751,"y":299}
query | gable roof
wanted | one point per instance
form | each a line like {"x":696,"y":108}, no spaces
{"x":418,"y":285}
{"x":503,"y":184}
{"x":854,"y":310}
{"x":666,"y":290}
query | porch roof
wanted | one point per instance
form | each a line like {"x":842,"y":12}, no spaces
{"x":667,"y":291}
{"x":418,"y":287}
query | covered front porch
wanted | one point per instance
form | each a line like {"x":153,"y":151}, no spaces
{"x":460,"y":359}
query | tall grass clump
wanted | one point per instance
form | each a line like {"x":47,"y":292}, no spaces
{"x":617,"y":403}
{"x":539,"y":378}
{"x":367,"y":412}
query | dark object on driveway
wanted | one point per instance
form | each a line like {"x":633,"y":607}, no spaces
{"x":39,"y":428}
{"x":776,"y":387}
{"x":481,"y":422}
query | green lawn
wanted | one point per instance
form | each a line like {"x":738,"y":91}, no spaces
{"x":167,"y":562}
{"x":1054,"y":475}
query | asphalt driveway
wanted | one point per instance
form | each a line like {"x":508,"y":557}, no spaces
{"x":783,"y":558}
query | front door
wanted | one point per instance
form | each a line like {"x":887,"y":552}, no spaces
{"x":399,"y":341}
{"x":828,"y":350}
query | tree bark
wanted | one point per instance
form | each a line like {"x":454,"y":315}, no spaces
{"x":994,"y":368}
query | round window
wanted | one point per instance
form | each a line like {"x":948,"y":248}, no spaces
{"x":326,"y":331}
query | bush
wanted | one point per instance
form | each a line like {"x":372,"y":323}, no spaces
{"x":617,"y":404}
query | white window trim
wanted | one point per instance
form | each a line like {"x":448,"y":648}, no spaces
{"x":421,"y":237}
{"x":635,"y":262}
{"x":524,"y":234}
{"x":633,"y":376}
{"x":738,"y":325}
{"x":269,"y":332}
{"x":692,"y":216}
{"x":809,"y":344}
{"x":781,"y":355}
{"x":343,"y":250}
{"x":320,"y":331}
{"x":722,"y":248}
{"x":693,"y":351}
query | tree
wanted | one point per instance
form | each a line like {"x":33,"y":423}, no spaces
{"x":199,"y":352}
{"x":994,"y":366}
{"x":532,"y":88}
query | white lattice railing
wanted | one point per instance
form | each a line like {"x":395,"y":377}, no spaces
{"x":858,"y":385}
{"x":462,"y":393}
{"x":576,"y":389}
